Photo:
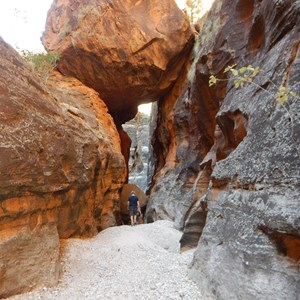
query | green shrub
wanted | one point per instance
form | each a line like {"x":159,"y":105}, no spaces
{"x":246,"y":75}
{"x":42,"y":63}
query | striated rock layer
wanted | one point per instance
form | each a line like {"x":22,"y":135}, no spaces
{"x":28,"y":257}
{"x":61,"y":169}
{"x":236,"y":153}
{"x":131,"y":52}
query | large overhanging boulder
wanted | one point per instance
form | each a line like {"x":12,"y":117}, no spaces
{"x":131,"y":51}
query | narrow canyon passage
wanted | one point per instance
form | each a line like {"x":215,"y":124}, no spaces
{"x":140,"y":262}
{"x":218,"y":155}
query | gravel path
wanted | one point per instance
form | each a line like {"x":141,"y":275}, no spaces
{"x":140,"y":262}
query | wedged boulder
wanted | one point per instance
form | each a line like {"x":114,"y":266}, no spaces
{"x":126,"y":190}
{"x":61,"y":163}
{"x":131,"y":52}
{"x":251,"y":143}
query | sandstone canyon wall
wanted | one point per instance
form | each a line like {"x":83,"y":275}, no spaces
{"x":61,"y":170}
{"x":227,"y":161}
{"x":63,"y":150}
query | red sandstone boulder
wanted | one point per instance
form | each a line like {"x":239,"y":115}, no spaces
{"x":129,"y":51}
{"x":61,"y":169}
{"x":126,"y":190}
{"x":57,"y":139}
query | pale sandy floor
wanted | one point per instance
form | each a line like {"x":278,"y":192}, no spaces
{"x":140,"y":262}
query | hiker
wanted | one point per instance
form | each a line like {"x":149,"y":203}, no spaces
{"x":134,"y":207}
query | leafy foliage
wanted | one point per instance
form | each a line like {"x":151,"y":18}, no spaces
{"x":245,"y":75}
{"x":212,"y":80}
{"x":42,"y":63}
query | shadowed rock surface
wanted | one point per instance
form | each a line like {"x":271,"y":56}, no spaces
{"x":258,"y":182}
{"x":178,"y":145}
{"x":131,"y":52}
{"x":249,"y":144}
{"x":61,"y":169}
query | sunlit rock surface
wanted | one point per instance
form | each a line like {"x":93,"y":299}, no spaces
{"x":138,"y":130}
{"x":61,"y":169}
{"x":131,"y":52}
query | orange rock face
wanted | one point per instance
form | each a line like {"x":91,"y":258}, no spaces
{"x":57,"y":139}
{"x":60,"y":165}
{"x":28,"y":257}
{"x":131,"y":52}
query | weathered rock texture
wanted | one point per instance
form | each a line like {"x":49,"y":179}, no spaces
{"x":178,"y":147}
{"x":61,"y":165}
{"x":131,"y":51}
{"x":236,"y":151}
{"x":138,"y":131}
{"x":28,"y":257}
